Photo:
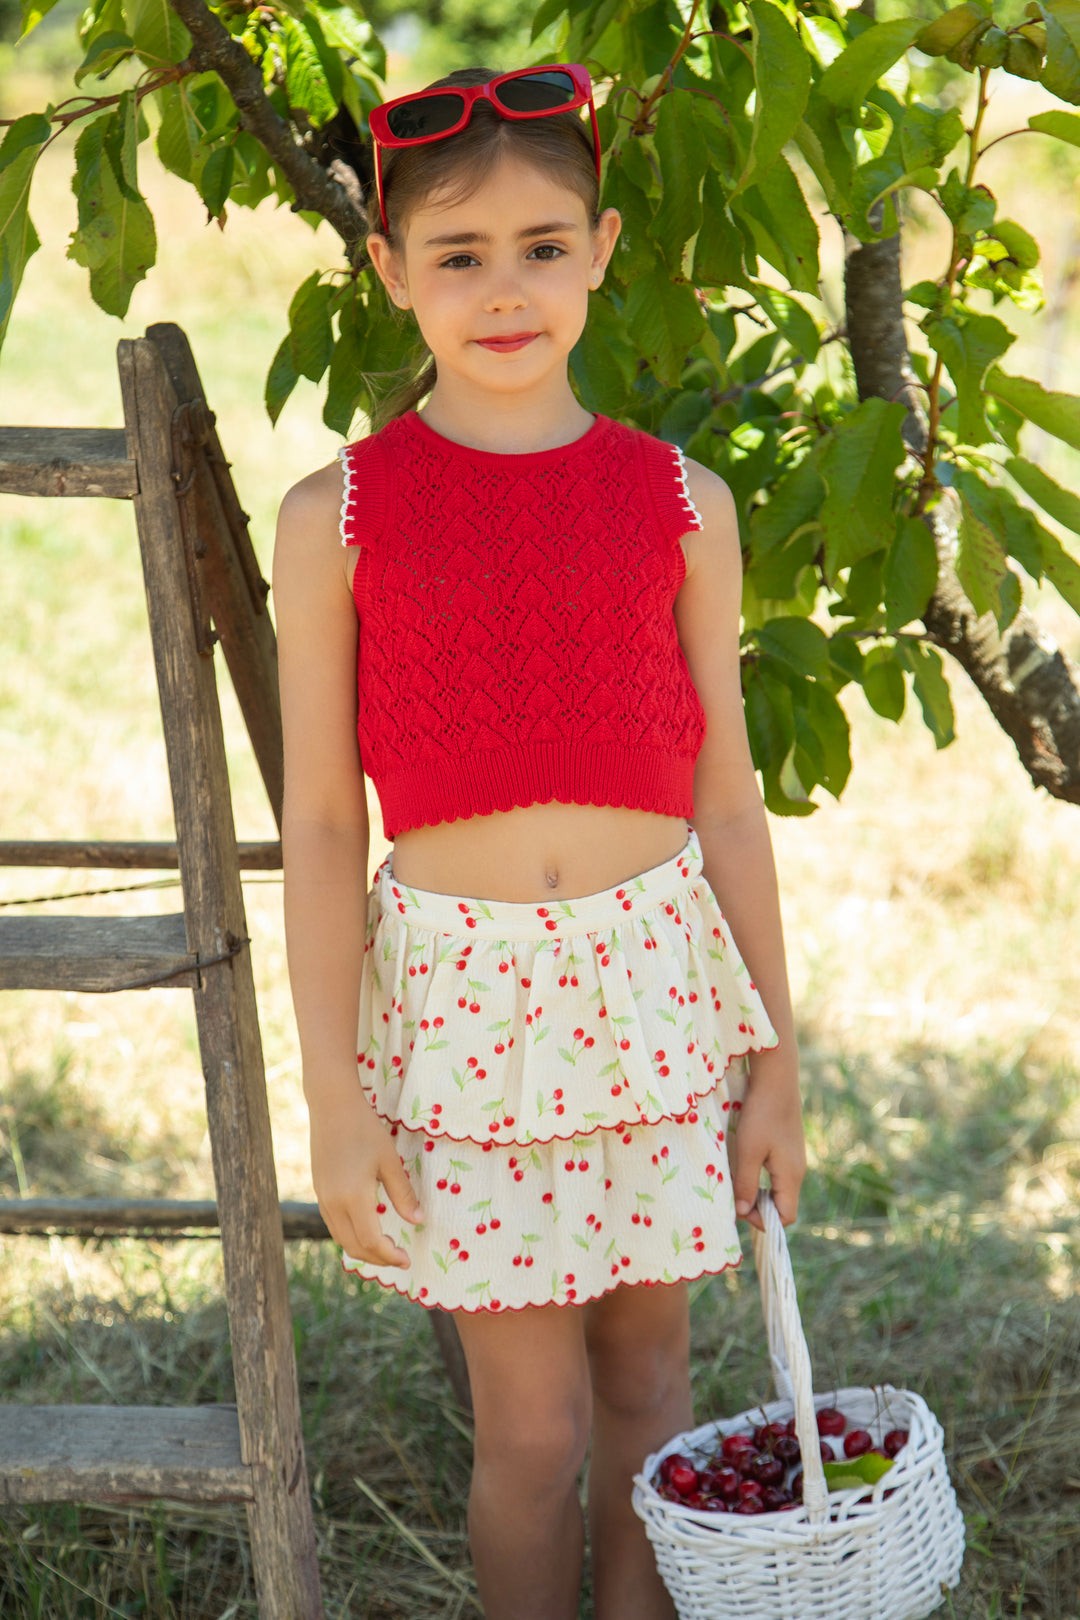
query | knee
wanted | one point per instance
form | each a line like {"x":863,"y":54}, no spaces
{"x":636,"y":1378}
{"x":542,"y":1443}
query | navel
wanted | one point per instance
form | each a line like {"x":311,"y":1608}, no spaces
{"x":551,"y":877}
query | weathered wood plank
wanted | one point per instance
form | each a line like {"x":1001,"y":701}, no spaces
{"x":139,"y":1217}
{"x":121,"y":1454}
{"x":116,"y":855}
{"x":231,"y":578}
{"x":260,"y":1324}
{"x":94,"y":953}
{"x":66,"y":461}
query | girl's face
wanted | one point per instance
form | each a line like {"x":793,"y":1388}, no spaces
{"x":499,"y":283}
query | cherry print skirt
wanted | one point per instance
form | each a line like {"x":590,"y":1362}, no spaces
{"x":560,"y":1081}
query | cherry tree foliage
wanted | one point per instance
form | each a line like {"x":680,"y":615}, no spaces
{"x":899,"y":507}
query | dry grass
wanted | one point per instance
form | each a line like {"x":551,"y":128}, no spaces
{"x":932,"y":923}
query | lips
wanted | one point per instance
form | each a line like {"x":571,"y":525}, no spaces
{"x":507,"y":345}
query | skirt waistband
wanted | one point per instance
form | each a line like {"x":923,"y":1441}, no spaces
{"x":558,"y":919}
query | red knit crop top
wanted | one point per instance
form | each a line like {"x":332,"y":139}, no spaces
{"x":517,"y":641}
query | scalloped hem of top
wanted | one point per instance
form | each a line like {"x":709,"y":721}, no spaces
{"x":543,"y":1304}
{"x":574,"y":1136}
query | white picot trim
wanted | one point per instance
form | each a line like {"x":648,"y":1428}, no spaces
{"x":684,"y":487}
{"x":346,"y":493}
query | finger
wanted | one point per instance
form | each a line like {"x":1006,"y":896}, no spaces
{"x":363,"y":1239}
{"x":399,"y":1189}
{"x":786,"y":1198}
{"x":747,"y":1178}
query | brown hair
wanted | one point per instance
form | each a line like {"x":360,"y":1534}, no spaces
{"x":560,"y":146}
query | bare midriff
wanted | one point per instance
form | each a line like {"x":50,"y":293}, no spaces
{"x":537,"y":852}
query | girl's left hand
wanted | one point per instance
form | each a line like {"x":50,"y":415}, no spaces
{"x":770,"y":1137}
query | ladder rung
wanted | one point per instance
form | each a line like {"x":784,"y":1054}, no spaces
{"x":121,"y":1453}
{"x":114,"y":855}
{"x":94,"y":953}
{"x":66,"y":461}
{"x":97,"y":1217}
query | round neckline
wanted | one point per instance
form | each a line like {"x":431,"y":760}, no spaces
{"x":531,"y":458}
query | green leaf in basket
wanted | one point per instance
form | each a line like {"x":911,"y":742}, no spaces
{"x":856,"y":1472}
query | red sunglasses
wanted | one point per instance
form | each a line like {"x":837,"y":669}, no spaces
{"x":430,"y":115}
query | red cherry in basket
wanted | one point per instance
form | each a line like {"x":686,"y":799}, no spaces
{"x":749,"y":1490}
{"x":787,"y":1449}
{"x":858,"y":1443}
{"x":725,"y":1483}
{"x":677,"y":1459}
{"x":790,"y":1428}
{"x":735,"y":1447}
{"x":750,"y":1504}
{"x":895,"y":1441}
{"x":796,"y":1487}
{"x":773,"y":1499}
{"x":830,"y":1421}
{"x":827,"y":1452}
{"x":684,"y":1480}
{"x":766,"y":1433}
{"x":765,"y":1469}
{"x":668,"y":1493}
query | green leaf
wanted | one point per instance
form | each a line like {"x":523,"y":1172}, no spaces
{"x":929,"y":134}
{"x":782,"y":79}
{"x":1066,"y":126}
{"x":106,"y":52}
{"x":969,"y":344}
{"x":115,"y":237}
{"x":718,"y":251}
{"x":911,"y":574}
{"x":981,"y":563}
{"x":159,"y":36}
{"x":947,"y":32}
{"x":19,"y":153}
{"x":969,"y":208}
{"x":821,"y":141}
{"x":798,"y":643}
{"x":635,"y":253}
{"x":349,"y":31}
{"x":865,"y":1470}
{"x":216,"y":179}
{"x":306,"y":84}
{"x":789,"y":317}
{"x":858,"y":465}
{"x":883,"y":683}
{"x":872,"y":53}
{"x":1062,"y":504}
{"x":680,"y":148}
{"x":546,"y":15}
{"x":793,"y":501}
{"x":311,"y":339}
{"x":1061,"y":70}
{"x":281,"y":379}
{"x":1058,"y":414}
{"x":178,"y":133}
{"x":832,"y":732}
{"x":603,"y":361}
{"x":782,"y":226}
{"x":931,"y":689}
{"x":665,"y":320}
{"x":32,"y":13}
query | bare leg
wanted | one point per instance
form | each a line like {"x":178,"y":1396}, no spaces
{"x":530,"y":1386}
{"x":639,"y":1349}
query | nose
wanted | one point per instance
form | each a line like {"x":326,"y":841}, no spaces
{"x":504,"y":290}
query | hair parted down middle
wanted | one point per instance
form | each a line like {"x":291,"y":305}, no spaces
{"x":559,"y":146}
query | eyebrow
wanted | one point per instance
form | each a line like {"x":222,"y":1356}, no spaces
{"x":474,"y":238}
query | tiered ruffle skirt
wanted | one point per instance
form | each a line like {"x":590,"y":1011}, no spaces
{"x":561,"y":1081}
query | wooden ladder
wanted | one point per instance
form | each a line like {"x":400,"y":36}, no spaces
{"x":198,"y":565}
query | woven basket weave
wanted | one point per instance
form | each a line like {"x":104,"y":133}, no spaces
{"x":852,"y":1555}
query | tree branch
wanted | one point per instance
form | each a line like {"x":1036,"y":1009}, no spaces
{"x":213,"y":50}
{"x":1030,"y":686}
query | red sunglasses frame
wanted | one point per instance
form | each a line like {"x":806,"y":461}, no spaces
{"x":380,"y":128}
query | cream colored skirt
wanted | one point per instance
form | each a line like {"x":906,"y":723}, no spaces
{"x":561,"y":1082}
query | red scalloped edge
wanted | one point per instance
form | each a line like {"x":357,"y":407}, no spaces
{"x":495,"y":1140}
{"x":540,"y":1304}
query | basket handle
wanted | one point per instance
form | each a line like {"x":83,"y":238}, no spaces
{"x":788,"y":1349}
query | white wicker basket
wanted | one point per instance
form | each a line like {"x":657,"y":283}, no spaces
{"x":885,"y":1552}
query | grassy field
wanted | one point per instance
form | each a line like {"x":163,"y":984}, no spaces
{"x":931,"y":919}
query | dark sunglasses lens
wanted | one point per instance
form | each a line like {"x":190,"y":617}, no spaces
{"x":537,"y":92}
{"x":432,"y":116}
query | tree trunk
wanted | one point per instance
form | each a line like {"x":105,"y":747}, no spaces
{"x":1030,"y":686}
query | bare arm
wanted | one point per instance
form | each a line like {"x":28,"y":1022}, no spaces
{"x":325,"y":846}
{"x":729,"y":819}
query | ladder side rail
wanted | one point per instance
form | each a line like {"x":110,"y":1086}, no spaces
{"x":232,"y":580}
{"x":280,"y":1520}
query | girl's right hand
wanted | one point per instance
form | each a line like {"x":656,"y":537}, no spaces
{"x":352,"y":1153}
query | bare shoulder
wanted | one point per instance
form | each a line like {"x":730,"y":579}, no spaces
{"x":311,"y":509}
{"x":717,"y":542}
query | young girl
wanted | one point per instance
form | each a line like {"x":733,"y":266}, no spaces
{"x":532,"y":1128}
